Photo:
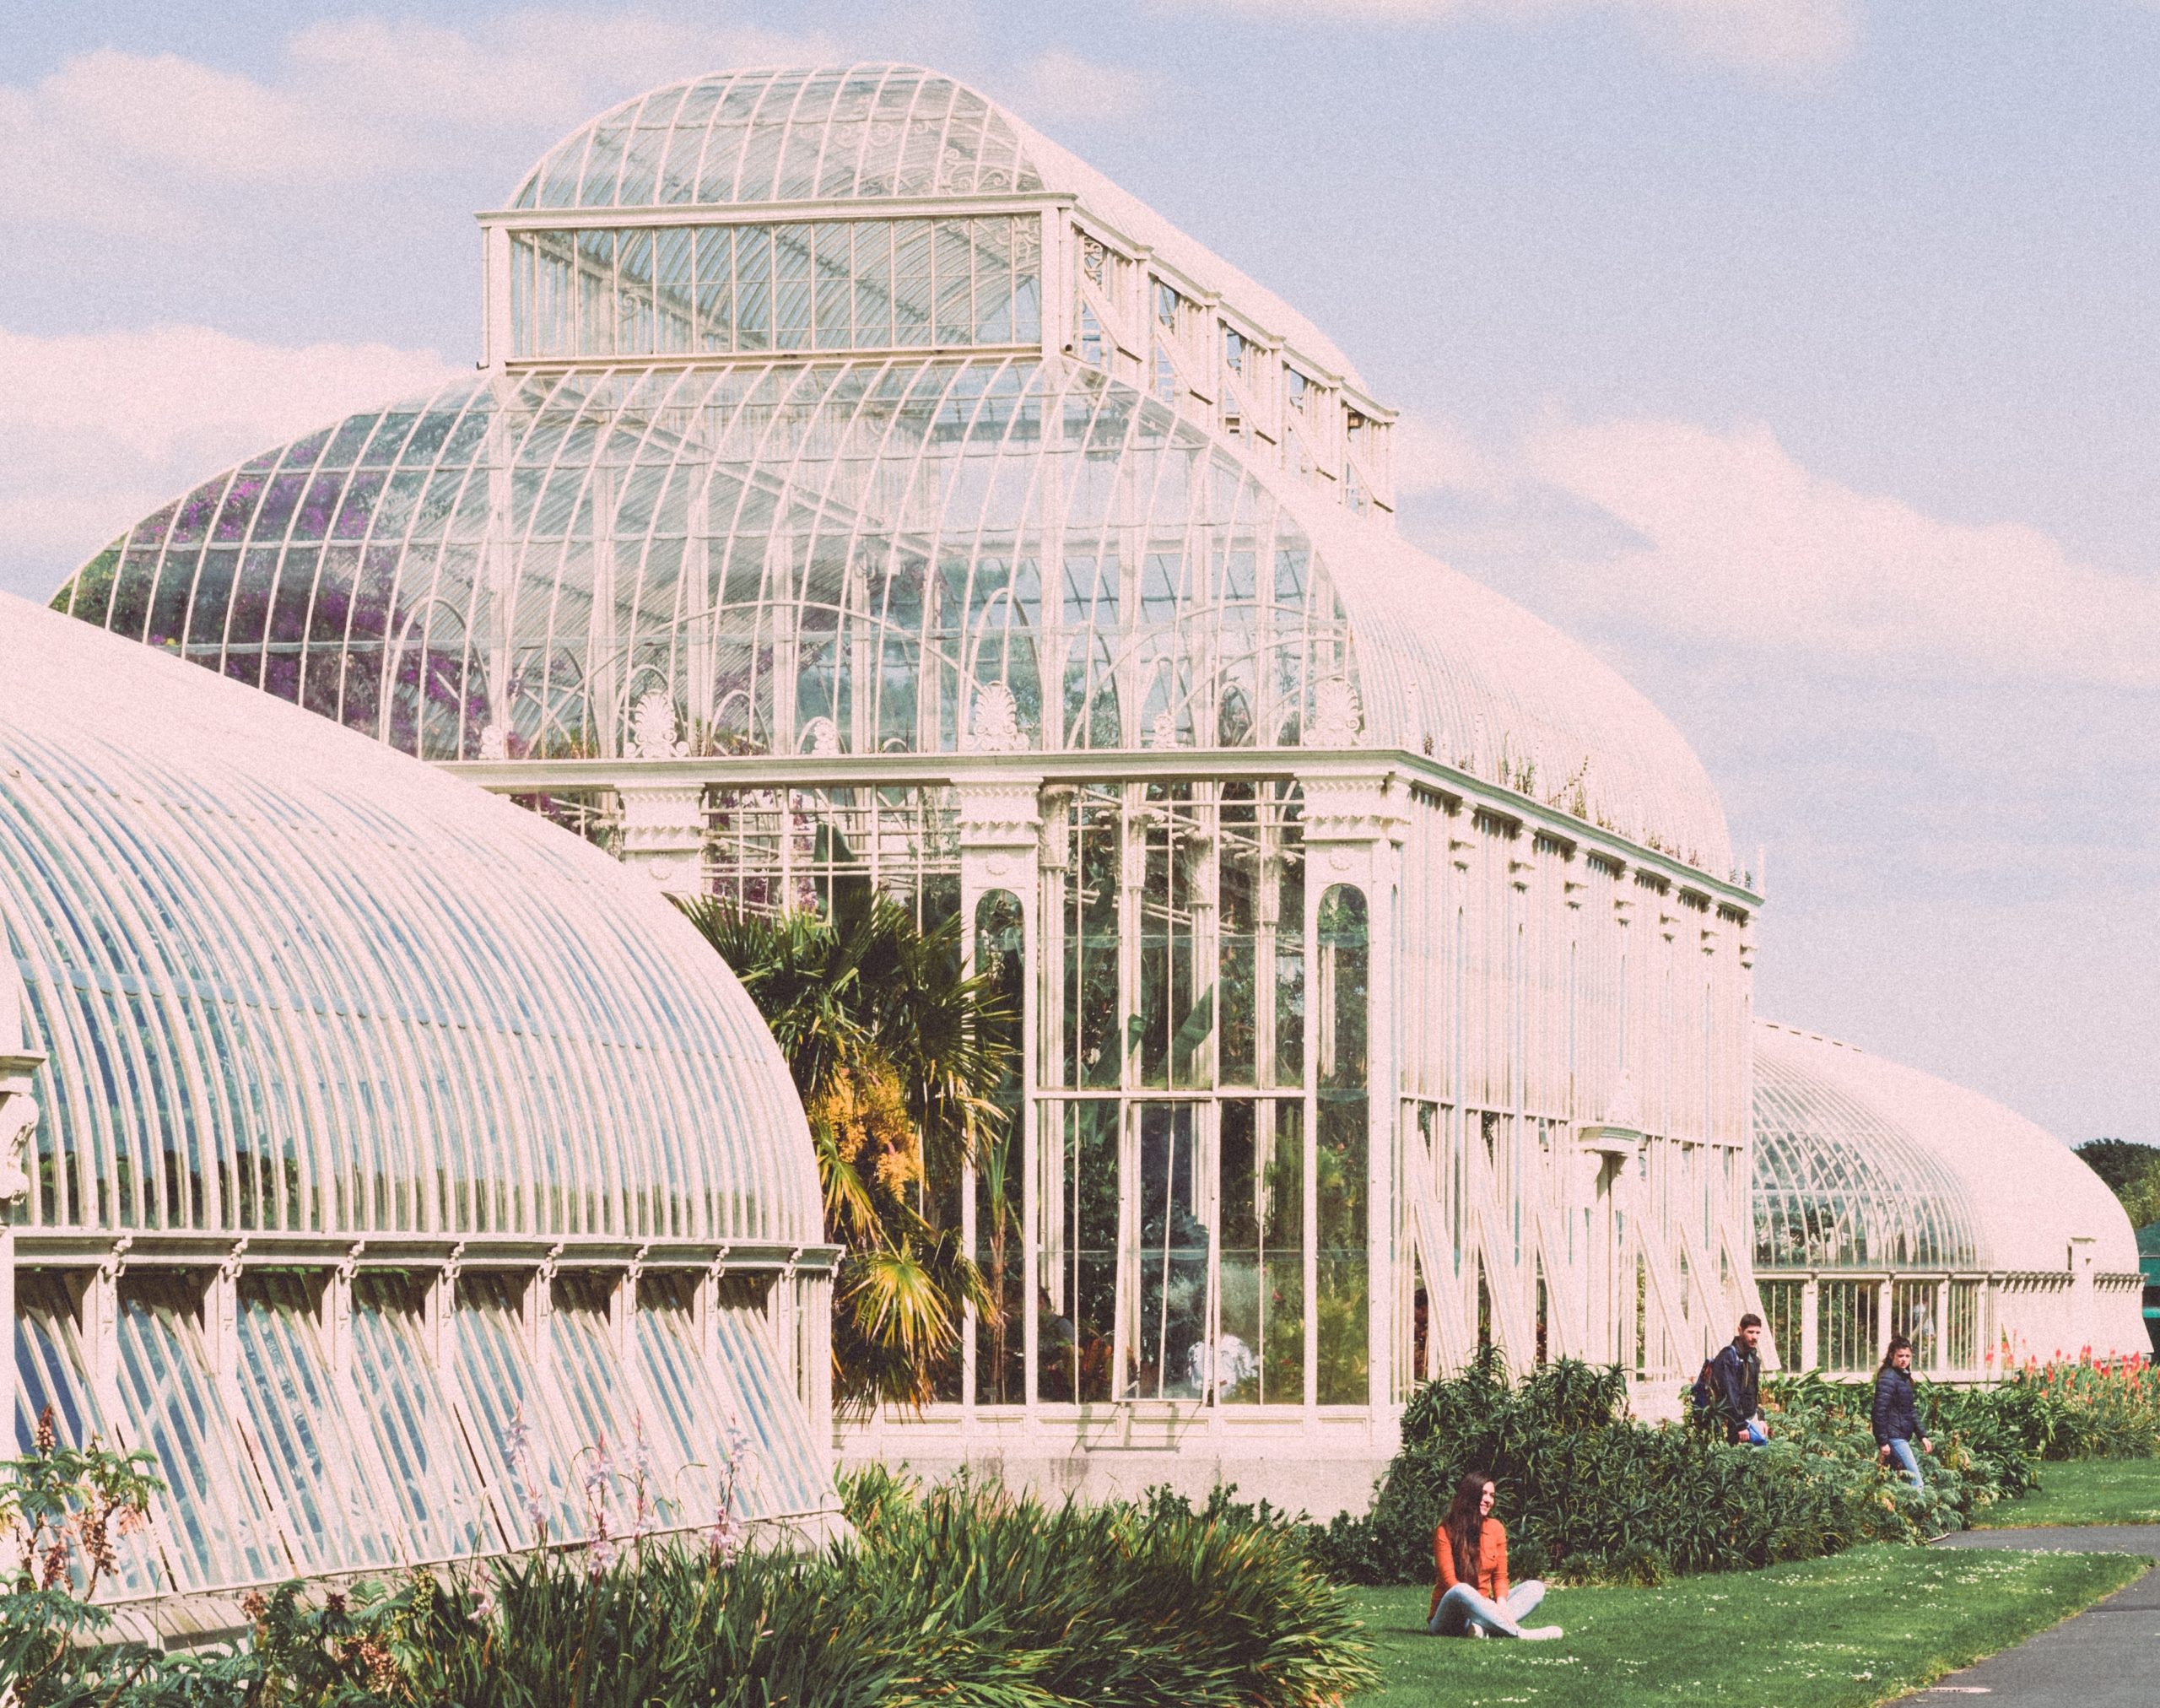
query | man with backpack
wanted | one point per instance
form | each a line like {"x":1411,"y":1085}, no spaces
{"x":1729,"y":1389}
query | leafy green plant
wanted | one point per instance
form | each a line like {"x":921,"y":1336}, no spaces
{"x":899,"y":1055}
{"x":1588,"y":1494}
{"x":64,"y":1511}
{"x":959,"y":1594}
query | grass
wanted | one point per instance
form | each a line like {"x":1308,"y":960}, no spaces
{"x":1840,"y":1633}
{"x":2082,"y":1491}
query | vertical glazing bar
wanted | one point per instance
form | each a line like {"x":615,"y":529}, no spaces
{"x":8,"y":1445}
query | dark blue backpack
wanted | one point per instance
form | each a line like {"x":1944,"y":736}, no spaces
{"x":1705,"y":1392}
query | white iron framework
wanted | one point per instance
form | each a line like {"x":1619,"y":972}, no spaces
{"x":396,"y":1169}
{"x":859,"y":485}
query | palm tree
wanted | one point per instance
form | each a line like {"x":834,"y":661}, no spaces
{"x":898,"y":1053}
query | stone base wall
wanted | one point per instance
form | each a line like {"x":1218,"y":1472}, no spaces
{"x":1318,"y":1467}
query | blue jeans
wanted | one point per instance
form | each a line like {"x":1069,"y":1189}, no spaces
{"x":1903,"y":1452}
{"x":1463,"y":1609}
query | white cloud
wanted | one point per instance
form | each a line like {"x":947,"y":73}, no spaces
{"x":1059,"y":87}
{"x":98,"y":430}
{"x":1766,"y":35}
{"x":110,"y":137}
{"x":1726,"y":538}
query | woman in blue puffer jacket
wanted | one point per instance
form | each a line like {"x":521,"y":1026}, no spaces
{"x":1896,"y":1412}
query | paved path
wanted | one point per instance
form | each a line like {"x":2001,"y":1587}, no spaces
{"x":2109,"y":1656}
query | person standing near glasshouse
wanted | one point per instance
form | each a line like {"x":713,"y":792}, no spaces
{"x":1735,"y":1383}
{"x":1470,"y":1595}
{"x":1897,"y":1413}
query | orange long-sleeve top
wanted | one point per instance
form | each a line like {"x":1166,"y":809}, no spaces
{"x":1491,"y":1564}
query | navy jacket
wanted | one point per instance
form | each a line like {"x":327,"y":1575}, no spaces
{"x":1736,"y":1380}
{"x":1896,"y":1412}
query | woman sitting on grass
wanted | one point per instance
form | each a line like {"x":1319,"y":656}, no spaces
{"x":1470,"y":1596}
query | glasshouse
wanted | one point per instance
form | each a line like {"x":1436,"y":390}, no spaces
{"x":859,"y":486}
{"x":1888,"y":1202}
{"x":856,"y":488}
{"x":405,"y":1176}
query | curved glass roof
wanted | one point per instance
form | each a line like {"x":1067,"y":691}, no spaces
{"x":841,"y":556}
{"x":811,"y":133}
{"x":288,"y":981}
{"x":1839,"y":1187}
{"x":860,"y":132}
{"x":1862,"y":1163}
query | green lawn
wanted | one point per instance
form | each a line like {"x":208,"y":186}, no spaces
{"x":1821,"y":1633}
{"x":2084,"y":1491}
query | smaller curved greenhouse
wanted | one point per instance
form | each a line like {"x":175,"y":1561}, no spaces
{"x":406,"y":1176}
{"x":1887,"y":1201}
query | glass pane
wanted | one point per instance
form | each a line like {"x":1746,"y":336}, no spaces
{"x":839,"y":285}
{"x":1340,"y":1304}
{"x":430,"y":1478}
{"x":1176,"y":1022}
{"x":1962,"y":1350}
{"x":1845,"y":1325}
{"x":783,"y":1472}
{"x":50,"y":1373}
{"x":1781,"y":1313}
{"x":215,"y":1524}
{"x":1084,"y":1036}
{"x":1078,"y":1307}
{"x":334,"y":1518}
{"x":1001,"y":1372}
{"x":1165,"y":1270}
{"x":1260,"y":1347}
{"x":1912,"y":1314}
{"x":599,"y":1421}
{"x":532,"y":1471}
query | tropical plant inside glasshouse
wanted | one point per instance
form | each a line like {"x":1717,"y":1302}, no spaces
{"x":907,"y":1065}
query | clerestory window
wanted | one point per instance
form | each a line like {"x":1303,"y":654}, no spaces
{"x":827,"y":285}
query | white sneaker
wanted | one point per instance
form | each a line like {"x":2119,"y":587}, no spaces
{"x":1479,"y":1631}
{"x":1540,"y":1634}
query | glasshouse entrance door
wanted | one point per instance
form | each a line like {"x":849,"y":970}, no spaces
{"x":1165,"y":1245}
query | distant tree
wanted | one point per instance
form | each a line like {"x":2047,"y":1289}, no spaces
{"x":897,"y":1051}
{"x":2132,"y":1172}
{"x":2119,"y":1161}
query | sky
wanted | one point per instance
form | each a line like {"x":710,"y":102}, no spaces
{"x":1798,"y":355}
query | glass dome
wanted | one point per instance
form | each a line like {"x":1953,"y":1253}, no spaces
{"x":1839,"y":1187}
{"x":840,"y":557}
{"x":288,"y":981}
{"x":806,"y":134}
{"x":1913,"y":1164}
